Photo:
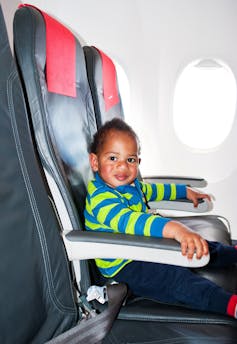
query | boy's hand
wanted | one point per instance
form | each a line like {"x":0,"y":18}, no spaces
{"x":195,"y":195}
{"x":190,"y":242}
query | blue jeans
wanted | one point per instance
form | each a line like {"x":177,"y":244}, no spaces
{"x":180,"y":285}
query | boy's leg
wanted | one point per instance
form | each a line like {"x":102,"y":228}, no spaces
{"x":175,"y":285}
{"x":222,"y":255}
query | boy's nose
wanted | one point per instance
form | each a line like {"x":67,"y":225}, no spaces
{"x":122,"y":164}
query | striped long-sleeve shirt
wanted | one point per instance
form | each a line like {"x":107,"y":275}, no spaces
{"x":123,"y":210}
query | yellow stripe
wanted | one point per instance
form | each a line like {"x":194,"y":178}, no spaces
{"x":160,"y":191}
{"x":148,"y":191}
{"x":128,"y":195}
{"x":114,"y":221}
{"x":173,"y":192}
{"x":101,"y":197}
{"x":91,"y":188}
{"x":103,"y":212}
{"x":105,"y":264}
{"x":147,"y":229}
{"x":125,"y":262}
{"x":130,"y":228}
{"x":95,"y":226}
{"x":88,"y":208}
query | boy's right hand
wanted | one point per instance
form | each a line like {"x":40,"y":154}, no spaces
{"x":190,"y":241}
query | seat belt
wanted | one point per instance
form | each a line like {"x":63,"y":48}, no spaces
{"x":94,"y":330}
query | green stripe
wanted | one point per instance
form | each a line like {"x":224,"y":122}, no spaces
{"x":125,"y":262}
{"x":115,"y":220}
{"x":91,"y":188}
{"x":101,"y":197}
{"x":149,"y":191}
{"x":95,"y":226}
{"x":104,"y":211}
{"x":128,"y":195}
{"x":147,"y":229}
{"x":130,"y":228}
{"x":160,"y":191}
{"x":104,"y":264}
{"x":172,"y":192}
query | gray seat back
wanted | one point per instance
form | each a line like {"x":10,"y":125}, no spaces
{"x":104,"y":86}
{"x":36,"y":294}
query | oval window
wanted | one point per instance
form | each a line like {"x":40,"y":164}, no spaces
{"x":204,"y":104}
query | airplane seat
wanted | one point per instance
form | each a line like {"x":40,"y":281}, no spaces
{"x":63,"y":121}
{"x":36,"y":293}
{"x":102,"y":77}
{"x":103,"y":83}
{"x":39,"y":302}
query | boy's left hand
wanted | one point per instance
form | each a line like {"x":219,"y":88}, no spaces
{"x":195,"y":195}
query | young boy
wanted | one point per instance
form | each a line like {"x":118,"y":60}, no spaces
{"x":117,"y":202}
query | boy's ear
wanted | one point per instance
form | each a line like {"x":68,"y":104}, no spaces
{"x":93,"y":162}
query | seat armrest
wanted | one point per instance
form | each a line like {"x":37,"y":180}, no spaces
{"x":180,"y":204}
{"x":183,"y":205}
{"x":89,"y":245}
{"x":189,"y":181}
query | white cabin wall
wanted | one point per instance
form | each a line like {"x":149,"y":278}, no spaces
{"x":153,"y":41}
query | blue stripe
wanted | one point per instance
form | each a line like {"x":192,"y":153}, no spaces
{"x":89,"y":217}
{"x":105,"y":202}
{"x":112,"y":213}
{"x":111,"y":271}
{"x":154,"y":192}
{"x":140,"y":224}
{"x":167,"y":191}
{"x":181,"y":191}
{"x":108,"y":259}
{"x":123,"y":222}
{"x":158,"y":225}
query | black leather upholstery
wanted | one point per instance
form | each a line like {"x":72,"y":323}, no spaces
{"x":95,"y":78}
{"x":36,"y":294}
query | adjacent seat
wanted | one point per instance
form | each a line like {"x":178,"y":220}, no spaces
{"x":63,"y":122}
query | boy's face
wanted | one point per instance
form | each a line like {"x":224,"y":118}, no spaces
{"x":117,"y":160}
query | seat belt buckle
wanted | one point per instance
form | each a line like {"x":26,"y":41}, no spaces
{"x":97,"y":293}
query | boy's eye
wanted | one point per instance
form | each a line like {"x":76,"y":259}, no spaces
{"x":112,"y":158}
{"x":132,"y":160}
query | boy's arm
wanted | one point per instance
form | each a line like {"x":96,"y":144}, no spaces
{"x":117,"y":217}
{"x":160,"y":192}
{"x":114,"y":215}
{"x":190,"y":242}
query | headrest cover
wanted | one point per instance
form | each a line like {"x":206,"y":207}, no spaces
{"x":110,"y":88}
{"x":60,"y":57}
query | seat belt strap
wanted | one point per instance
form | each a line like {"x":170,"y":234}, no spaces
{"x":94,"y":330}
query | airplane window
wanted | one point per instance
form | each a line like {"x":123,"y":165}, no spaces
{"x":204,"y":104}
{"x":124,"y":89}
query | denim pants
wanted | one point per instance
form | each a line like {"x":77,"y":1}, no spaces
{"x":180,"y":285}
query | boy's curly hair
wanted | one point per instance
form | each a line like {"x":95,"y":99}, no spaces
{"x":115,"y":124}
